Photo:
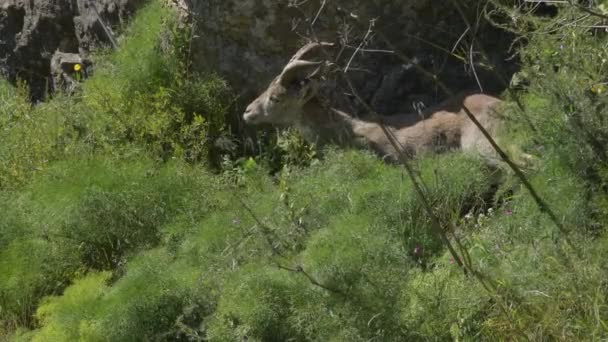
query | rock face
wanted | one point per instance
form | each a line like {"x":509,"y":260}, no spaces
{"x":32,"y":31}
{"x":67,"y":69}
{"x":249,"y":41}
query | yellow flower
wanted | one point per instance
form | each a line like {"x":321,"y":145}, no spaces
{"x":77,"y":67}
{"x":598,"y":88}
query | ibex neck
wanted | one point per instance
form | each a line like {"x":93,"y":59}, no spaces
{"x":324,"y":124}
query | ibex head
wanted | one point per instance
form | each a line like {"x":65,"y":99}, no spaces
{"x":287,"y":94}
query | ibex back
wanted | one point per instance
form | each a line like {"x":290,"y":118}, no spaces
{"x":292,"y":99}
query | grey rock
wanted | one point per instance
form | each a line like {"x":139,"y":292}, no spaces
{"x":32,"y":31}
{"x":64,"y":73}
{"x":249,"y":41}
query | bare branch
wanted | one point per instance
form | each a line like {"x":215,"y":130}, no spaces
{"x":587,"y":9}
{"x":266,"y":231}
{"x":311,"y":279}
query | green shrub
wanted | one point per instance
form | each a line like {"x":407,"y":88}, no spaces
{"x":444,"y":305}
{"x":256,"y":304}
{"x":145,"y":94}
{"x":31,"y":268}
{"x":565,"y":99}
{"x":356,"y":183}
{"x":536,"y":271}
{"x":154,"y":300}
{"x":124,"y":247}
{"x":30,"y":137}
{"x":202,"y":266}
{"x":88,"y":214}
{"x":71,"y":316}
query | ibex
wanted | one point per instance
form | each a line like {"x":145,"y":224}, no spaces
{"x":292,"y":99}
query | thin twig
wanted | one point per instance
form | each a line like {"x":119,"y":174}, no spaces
{"x":540,"y":202}
{"x":106,"y":30}
{"x":587,"y":10}
{"x":312,"y":24}
{"x":473,"y":69}
{"x":311,"y":279}
{"x":403,"y":158}
{"x":363,"y":42}
{"x":460,"y":39}
{"x":266,"y":231}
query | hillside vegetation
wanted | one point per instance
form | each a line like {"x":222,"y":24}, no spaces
{"x":128,"y":215}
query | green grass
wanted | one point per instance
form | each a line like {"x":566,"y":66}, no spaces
{"x":205,"y":267}
{"x":184,"y":226}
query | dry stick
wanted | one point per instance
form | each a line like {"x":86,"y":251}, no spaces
{"x":312,"y":24}
{"x":266,"y":231}
{"x":399,"y":148}
{"x":465,"y":253}
{"x":436,"y":224}
{"x":472,"y":64}
{"x":459,"y":40}
{"x":106,"y":30}
{"x":471,"y":52}
{"x":587,"y":9}
{"x":467,"y":266}
{"x":310,"y":278}
{"x":502,"y":80}
{"x":540,"y":202}
{"x":418,"y":187}
{"x":488,"y":284}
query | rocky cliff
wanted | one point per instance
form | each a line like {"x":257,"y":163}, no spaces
{"x":248,"y":42}
{"x":32,"y":31}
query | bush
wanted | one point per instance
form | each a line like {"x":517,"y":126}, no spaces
{"x":75,"y":305}
{"x":83,"y":215}
{"x":154,"y":300}
{"x":127,"y":242}
{"x":31,"y":268}
{"x":30,"y":137}
{"x":347,"y":266}
{"x":142,"y":95}
{"x":145,"y":93}
{"x":565,"y":89}
{"x":257,"y":303}
{"x":455,"y":184}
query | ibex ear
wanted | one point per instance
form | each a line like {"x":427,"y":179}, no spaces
{"x":306,"y":89}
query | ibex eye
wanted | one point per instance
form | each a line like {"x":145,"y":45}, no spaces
{"x":274,"y":98}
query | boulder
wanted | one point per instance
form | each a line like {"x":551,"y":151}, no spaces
{"x":33,"y":31}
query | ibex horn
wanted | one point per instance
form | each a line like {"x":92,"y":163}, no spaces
{"x":307,"y":48}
